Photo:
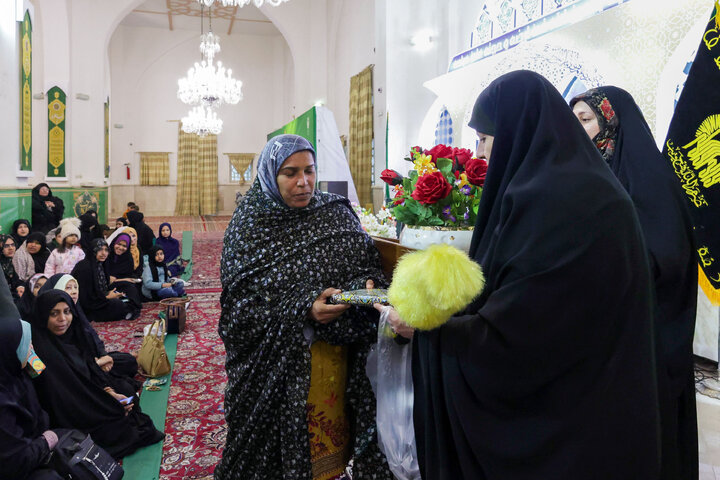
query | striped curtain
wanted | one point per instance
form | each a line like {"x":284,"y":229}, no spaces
{"x":361,"y":133}
{"x":197,"y":187}
{"x":154,"y":168}
{"x":208,"y":174}
{"x":240,"y":162}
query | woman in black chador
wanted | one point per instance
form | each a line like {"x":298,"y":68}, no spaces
{"x":616,"y":125}
{"x":548,"y":374}
{"x":47,"y":210}
{"x":74,"y":390}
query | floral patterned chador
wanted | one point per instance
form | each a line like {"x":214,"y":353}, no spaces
{"x":276,"y":261}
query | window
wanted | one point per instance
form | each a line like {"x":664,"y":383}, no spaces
{"x":444,"y":128}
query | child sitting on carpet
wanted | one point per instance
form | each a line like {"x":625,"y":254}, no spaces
{"x":64,"y":258}
{"x":156,"y":279}
{"x":171,"y":247}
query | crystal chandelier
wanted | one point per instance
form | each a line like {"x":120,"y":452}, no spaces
{"x":209,"y":45}
{"x":241,"y":3}
{"x":209,"y":85}
{"x":206,"y":87}
{"x":202,"y":121}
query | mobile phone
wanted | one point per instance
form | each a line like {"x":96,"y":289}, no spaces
{"x":126,"y":401}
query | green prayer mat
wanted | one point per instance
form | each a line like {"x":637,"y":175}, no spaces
{"x":187,"y":245}
{"x":145,"y":463}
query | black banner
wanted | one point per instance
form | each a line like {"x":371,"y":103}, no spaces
{"x":693,"y":148}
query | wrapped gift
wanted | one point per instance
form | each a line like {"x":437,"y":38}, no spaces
{"x":364,"y":298}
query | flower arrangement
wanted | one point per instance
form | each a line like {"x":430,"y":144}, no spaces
{"x":443,"y":188}
{"x":381,"y":225}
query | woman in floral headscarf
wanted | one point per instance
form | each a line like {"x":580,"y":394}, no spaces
{"x":295,"y":365}
{"x":615,"y":123}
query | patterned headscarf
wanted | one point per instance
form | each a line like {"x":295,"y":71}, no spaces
{"x":607,"y":120}
{"x":273,"y":155}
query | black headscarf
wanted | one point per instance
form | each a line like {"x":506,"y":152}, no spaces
{"x":89,"y":229}
{"x":533,"y":379}
{"x":665,"y":221}
{"x":92,"y":278}
{"x":120,"y":266}
{"x":276,"y":261}
{"x":122,"y":220}
{"x":44,"y":218}
{"x":19,"y":239}
{"x":145,"y":235}
{"x":8,"y":269}
{"x":98,"y":346}
{"x":154,"y":264}
{"x":39,"y":258}
{"x":25,"y":304}
{"x":22,"y":420}
{"x":71,"y":387}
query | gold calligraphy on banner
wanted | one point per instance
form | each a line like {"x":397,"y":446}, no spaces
{"x":705,"y":151}
{"x":712,"y":35}
{"x":56,"y":132}
{"x":26,"y":93}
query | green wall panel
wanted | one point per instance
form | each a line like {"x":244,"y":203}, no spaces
{"x":17,"y":203}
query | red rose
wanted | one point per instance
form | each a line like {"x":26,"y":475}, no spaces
{"x":431,"y":187}
{"x":398,"y":200}
{"x":391,"y":177}
{"x":461,"y":156}
{"x":476,"y":169}
{"x":440,"y":151}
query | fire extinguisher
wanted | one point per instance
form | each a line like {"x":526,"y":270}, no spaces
{"x":127,"y":170}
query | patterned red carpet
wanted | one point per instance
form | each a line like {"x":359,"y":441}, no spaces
{"x":195,"y":425}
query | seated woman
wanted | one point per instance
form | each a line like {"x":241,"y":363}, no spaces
{"x":298,"y":401}
{"x":614,"y":122}
{"x":121,"y":366}
{"x":559,"y":344}
{"x":26,"y":440}
{"x":26,"y":302}
{"x":74,"y":390}
{"x":47,"y":210}
{"x":135,"y":252}
{"x":17,"y":286}
{"x":145,"y":235}
{"x":64,"y":258}
{"x":89,"y":230}
{"x":20,"y":231}
{"x":31,"y":257}
{"x":156,"y":280}
{"x":171,"y":248}
{"x":120,"y":267}
{"x":99,"y":302}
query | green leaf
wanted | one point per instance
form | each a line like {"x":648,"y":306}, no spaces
{"x":435,"y":222}
{"x":445,"y":166}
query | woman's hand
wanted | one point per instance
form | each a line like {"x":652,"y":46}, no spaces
{"x":114,"y":294}
{"x":119,"y":397}
{"x":166,"y":285}
{"x":370,"y":284}
{"x":323,"y":312}
{"x":105,"y":363}
{"x":396,"y":323}
{"x":49,"y":204}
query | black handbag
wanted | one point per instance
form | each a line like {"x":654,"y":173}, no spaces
{"x":77,"y":457}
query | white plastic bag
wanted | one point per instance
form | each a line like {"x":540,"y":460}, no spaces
{"x":394,"y":392}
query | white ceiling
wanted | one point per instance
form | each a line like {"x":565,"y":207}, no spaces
{"x":185,"y":15}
